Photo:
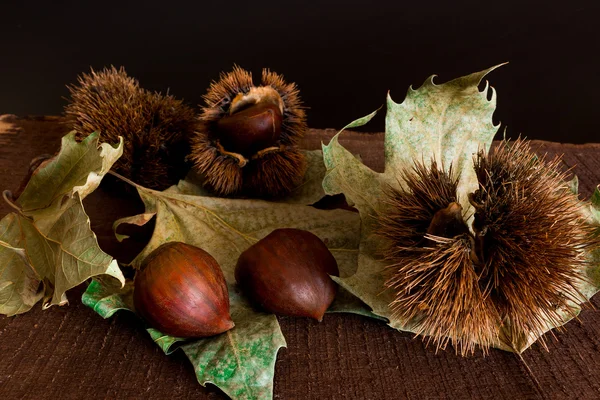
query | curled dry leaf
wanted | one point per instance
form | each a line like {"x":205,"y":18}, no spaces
{"x":448,"y":124}
{"x":240,"y":361}
{"x":47,"y":246}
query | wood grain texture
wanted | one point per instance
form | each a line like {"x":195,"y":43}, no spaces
{"x":71,"y":353}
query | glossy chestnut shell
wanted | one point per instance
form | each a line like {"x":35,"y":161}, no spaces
{"x":180,"y":290}
{"x":288,"y":273}
{"x":250,"y":130}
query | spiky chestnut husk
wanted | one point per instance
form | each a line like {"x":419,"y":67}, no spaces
{"x":248,"y":136}
{"x":518,"y":272}
{"x":429,"y":261}
{"x":155,"y":127}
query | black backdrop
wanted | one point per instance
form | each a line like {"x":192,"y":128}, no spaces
{"x":344,"y":55}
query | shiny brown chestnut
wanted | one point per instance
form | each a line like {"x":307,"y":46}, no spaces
{"x":246,"y":141}
{"x":251,"y":129}
{"x":180,"y":290}
{"x":288,"y":273}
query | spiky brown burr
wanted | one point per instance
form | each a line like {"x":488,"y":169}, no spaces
{"x":514,"y":273}
{"x":531,"y":236}
{"x":155,"y":127}
{"x":247,"y":143}
{"x":429,"y":261}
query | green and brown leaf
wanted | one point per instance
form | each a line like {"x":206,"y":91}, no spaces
{"x":47,"y":246}
{"x":448,"y":123}
{"x":240,"y":361}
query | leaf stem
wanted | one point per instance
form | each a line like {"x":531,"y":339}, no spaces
{"x":126,"y":180}
{"x":8,"y":198}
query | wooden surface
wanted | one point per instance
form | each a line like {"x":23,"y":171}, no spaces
{"x":71,"y":353}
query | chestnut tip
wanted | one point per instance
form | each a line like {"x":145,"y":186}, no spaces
{"x":227,"y":324}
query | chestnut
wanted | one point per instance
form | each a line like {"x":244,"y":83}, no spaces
{"x":246,"y":141}
{"x":181,"y":291}
{"x":288,"y":273}
{"x":252,"y":129}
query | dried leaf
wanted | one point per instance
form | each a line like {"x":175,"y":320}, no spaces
{"x":449,"y":123}
{"x":240,"y":361}
{"x":592,"y":286}
{"x":311,"y":189}
{"x":47,"y":247}
{"x":78,"y":168}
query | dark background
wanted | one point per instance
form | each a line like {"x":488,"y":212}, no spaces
{"x":344,"y":55}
